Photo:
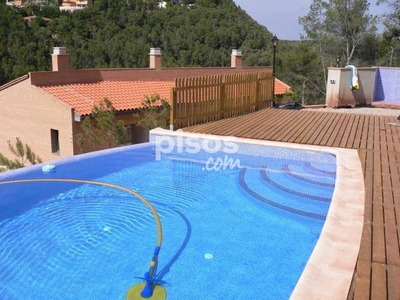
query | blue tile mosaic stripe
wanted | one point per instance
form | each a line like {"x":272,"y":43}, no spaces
{"x":257,"y":196}
{"x":268,"y":180}
{"x":301,"y":178}
{"x":310,"y":166}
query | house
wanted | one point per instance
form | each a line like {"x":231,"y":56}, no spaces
{"x":162,"y":4}
{"x":72,"y":5}
{"x":67,"y":5}
{"x":280,"y":88}
{"x":45,"y":109}
{"x":21,"y":3}
{"x":30,"y":18}
{"x":15,"y":2}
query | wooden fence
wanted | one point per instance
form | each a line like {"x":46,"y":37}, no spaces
{"x":198,"y":100}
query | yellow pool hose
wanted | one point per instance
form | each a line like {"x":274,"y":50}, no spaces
{"x":153,"y":291}
{"x":137,"y":195}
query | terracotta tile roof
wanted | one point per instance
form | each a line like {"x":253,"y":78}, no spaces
{"x":124,"y":95}
{"x":280,"y":87}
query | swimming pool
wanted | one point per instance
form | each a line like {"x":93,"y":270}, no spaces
{"x":243,"y":231}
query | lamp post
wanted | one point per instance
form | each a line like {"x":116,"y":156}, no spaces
{"x":337,"y":61}
{"x":274,"y":44}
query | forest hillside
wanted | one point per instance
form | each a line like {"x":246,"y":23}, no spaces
{"x":120,"y":33}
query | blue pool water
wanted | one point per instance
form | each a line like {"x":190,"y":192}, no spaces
{"x":260,"y":222}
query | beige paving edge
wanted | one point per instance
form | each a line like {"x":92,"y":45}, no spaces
{"x":329,"y":271}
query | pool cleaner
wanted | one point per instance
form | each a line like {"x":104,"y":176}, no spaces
{"x":144,"y":290}
{"x":148,"y":289}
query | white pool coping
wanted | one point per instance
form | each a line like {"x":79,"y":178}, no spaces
{"x":329,"y":271}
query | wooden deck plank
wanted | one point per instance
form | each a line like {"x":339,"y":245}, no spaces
{"x":236,"y":125}
{"x":364,"y":133}
{"x":388,"y":136}
{"x":276,"y":122}
{"x":352,"y":134}
{"x":394,"y":163}
{"x":362,"y":285}
{"x":230,"y":129}
{"x":373,"y":131}
{"x":393,"y":134}
{"x":378,"y":134}
{"x":359,"y":131}
{"x":284,"y":117}
{"x":366,"y":158}
{"x":294,"y":125}
{"x":378,"y":284}
{"x":393,"y":274}
{"x":385,"y":133}
{"x":231,"y":124}
{"x":378,"y":238}
{"x":319,"y":131}
{"x":348,"y":129}
{"x":341,"y":127}
{"x":396,"y":137}
{"x":260,"y":124}
{"x":299,"y":132}
{"x":315,"y":125}
{"x":391,"y":237}
{"x":224,"y":123}
{"x":324,"y":132}
{"x":302,"y":130}
{"x":299,"y":127}
{"x":331,"y":127}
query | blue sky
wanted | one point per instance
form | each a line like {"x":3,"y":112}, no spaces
{"x":281,"y":17}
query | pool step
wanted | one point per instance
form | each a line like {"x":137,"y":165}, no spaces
{"x":278,"y":189}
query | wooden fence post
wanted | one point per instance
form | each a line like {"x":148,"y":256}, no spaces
{"x":172,"y":113}
{"x":258,"y":92}
{"x":222,"y":97}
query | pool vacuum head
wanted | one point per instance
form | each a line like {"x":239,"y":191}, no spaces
{"x":134,"y":293}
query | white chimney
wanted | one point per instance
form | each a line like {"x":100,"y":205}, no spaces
{"x":60,"y":59}
{"x":236,"y":58}
{"x":155,"y":58}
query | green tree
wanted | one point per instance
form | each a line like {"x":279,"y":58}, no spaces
{"x":368,"y":52}
{"x":119,"y":34}
{"x":390,"y":45}
{"x":314,"y":27}
{"x":155,"y":113}
{"x":102,"y":130}
{"x":392,"y":18}
{"x":24,"y":154}
{"x":339,"y":26}
{"x":332,"y":28}
{"x":301,"y":70}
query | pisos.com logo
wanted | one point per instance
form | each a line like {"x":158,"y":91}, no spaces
{"x":219,"y":151}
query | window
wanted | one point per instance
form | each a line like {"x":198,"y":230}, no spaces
{"x":55,"y":144}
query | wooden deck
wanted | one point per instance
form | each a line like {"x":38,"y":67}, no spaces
{"x":377,"y":274}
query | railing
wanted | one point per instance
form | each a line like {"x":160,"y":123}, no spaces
{"x":199,"y":100}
